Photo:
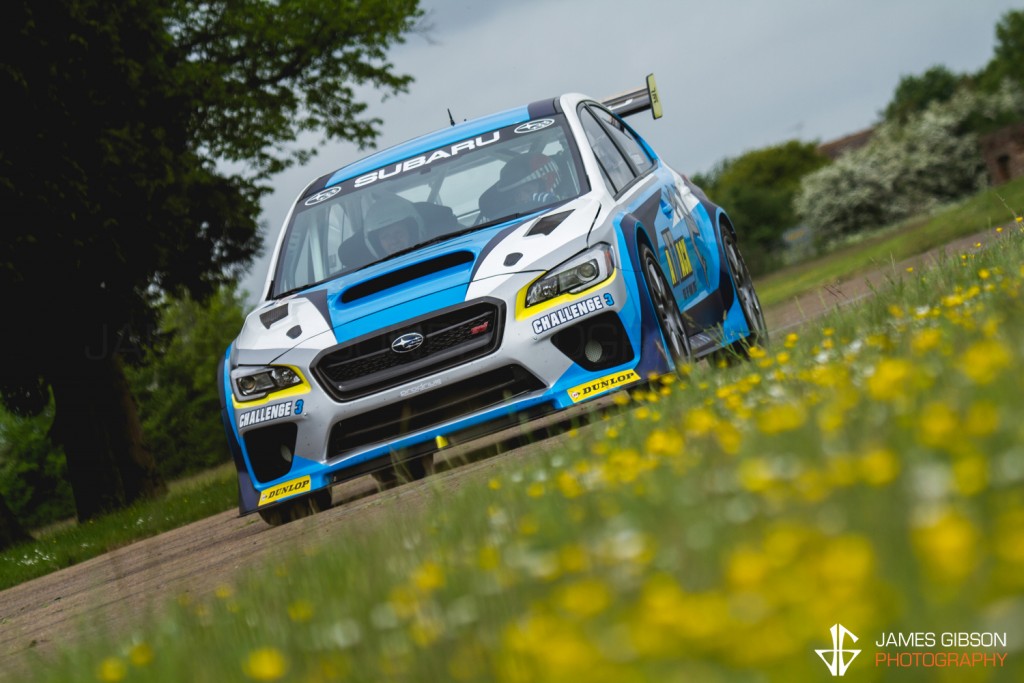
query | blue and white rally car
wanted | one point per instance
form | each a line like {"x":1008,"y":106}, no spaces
{"x":493,"y":271}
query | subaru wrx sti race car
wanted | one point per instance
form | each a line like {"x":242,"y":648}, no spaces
{"x":487,"y":273}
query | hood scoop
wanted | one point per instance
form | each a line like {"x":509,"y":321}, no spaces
{"x":547,"y":224}
{"x":399,"y":277}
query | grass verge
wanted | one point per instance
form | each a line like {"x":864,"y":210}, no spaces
{"x":983,"y":211}
{"x":868,"y":471}
{"x":64,"y":545}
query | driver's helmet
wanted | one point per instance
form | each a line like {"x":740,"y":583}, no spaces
{"x":391,"y":224}
{"x":533,"y":175}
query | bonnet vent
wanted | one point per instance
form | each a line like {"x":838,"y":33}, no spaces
{"x":400,"y":277}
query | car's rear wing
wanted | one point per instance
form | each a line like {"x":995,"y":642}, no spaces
{"x":635,"y":101}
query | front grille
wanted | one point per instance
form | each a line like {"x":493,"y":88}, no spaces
{"x":430,"y":408}
{"x":452,"y":338}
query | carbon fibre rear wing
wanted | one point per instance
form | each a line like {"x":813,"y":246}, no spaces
{"x":635,"y":101}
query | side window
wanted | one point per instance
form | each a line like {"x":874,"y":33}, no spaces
{"x":617,"y":170}
{"x":626,"y":140}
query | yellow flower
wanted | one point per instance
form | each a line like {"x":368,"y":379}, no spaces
{"x":488,"y":559}
{"x":970,"y":474}
{"x":879,"y":466}
{"x":948,"y":546}
{"x":224,"y":591}
{"x":890,"y":380}
{"x":493,"y":484}
{"x":141,"y":654}
{"x":755,"y":474}
{"x":729,"y":438}
{"x":568,"y":485}
{"x":982,"y":418}
{"x":700,"y":422}
{"x":585,"y":598}
{"x":265,"y":664}
{"x":983,"y":361}
{"x":746,"y":568}
{"x":925,"y":340}
{"x":573,"y":558}
{"x":783,"y":417}
{"x":300,"y":611}
{"x":111,"y":670}
{"x":428,"y":577}
{"x":535,"y":489}
{"x":756,"y":352}
{"x":937,"y":424}
{"x":665,"y":442}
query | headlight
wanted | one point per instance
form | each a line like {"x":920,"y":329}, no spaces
{"x":259,"y":383}
{"x":581,"y":272}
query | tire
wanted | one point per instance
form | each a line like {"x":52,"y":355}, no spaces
{"x":743,"y":285}
{"x":405,"y":471}
{"x":291,"y":510}
{"x":667,"y":311}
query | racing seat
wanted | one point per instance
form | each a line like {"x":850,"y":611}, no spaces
{"x":437,"y":219}
{"x":494,"y":204}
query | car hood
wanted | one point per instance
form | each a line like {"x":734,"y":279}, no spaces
{"x":432,"y":278}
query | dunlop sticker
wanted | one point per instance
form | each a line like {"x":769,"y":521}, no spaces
{"x":601,"y":385}
{"x":285,"y":490}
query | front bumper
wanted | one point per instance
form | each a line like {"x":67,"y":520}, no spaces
{"x":540,"y":360}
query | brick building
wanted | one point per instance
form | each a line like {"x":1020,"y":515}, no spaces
{"x":1003,"y":151}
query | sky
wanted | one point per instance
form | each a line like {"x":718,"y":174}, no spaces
{"x":733,"y":75}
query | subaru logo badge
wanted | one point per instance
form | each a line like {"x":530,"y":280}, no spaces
{"x":407,"y":342}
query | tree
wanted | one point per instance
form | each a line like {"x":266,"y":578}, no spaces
{"x":757,"y":190}
{"x":1008,"y":59}
{"x":33,"y":472}
{"x":178,"y":400}
{"x":914,"y":93}
{"x":118,"y":115}
{"x":906,"y":169}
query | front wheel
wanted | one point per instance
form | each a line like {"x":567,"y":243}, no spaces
{"x":665,"y":307}
{"x":405,"y":471}
{"x":291,"y":510}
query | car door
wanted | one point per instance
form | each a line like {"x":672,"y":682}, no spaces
{"x":663,"y":208}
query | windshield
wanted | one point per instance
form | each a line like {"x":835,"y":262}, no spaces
{"x":434,"y":196}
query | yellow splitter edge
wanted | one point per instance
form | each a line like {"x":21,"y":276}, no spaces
{"x":285,"y":490}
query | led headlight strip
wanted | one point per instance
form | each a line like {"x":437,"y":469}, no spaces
{"x":583,"y":271}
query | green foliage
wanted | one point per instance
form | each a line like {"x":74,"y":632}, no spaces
{"x":1008,"y":61}
{"x":756,"y":189}
{"x":176,"y":384}
{"x":112,"y":188}
{"x":33,"y":472}
{"x":905,"y":169}
{"x":914,"y":93}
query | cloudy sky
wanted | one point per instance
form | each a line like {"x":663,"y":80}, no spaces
{"x":733,"y":75}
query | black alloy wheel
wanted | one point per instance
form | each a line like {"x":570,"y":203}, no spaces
{"x":665,"y":308}
{"x":291,"y":510}
{"x":744,"y":287}
{"x":405,"y":471}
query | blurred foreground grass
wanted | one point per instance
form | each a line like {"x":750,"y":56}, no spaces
{"x":868,"y":472}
